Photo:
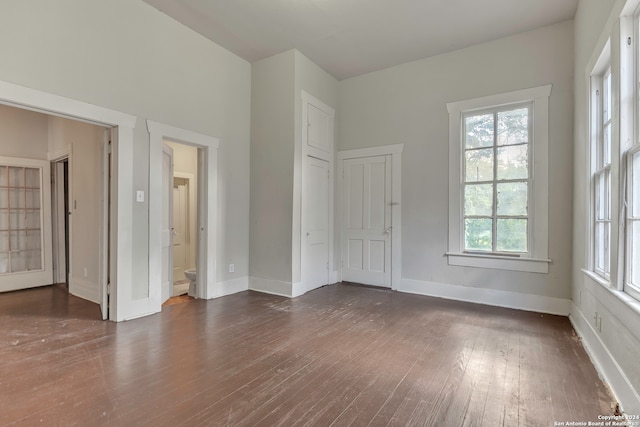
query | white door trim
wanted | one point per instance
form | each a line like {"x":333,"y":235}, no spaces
{"x":207,"y":209}
{"x":123,"y":306}
{"x":300,"y":285}
{"x":395,"y":151}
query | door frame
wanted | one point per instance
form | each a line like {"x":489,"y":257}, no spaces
{"x":121,"y":125}
{"x":395,"y":151}
{"x":207,"y":196}
{"x":56,"y":158}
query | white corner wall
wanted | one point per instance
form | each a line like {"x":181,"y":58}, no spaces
{"x":408,"y":104}
{"x":615,"y":346}
{"x":276,"y":171}
{"x":127,"y":56}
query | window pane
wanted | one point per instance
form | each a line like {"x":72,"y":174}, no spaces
{"x":478,"y":200}
{"x":33,"y":177}
{"x":635,"y":185}
{"x":606,"y":145}
{"x":16,"y":177}
{"x":511,"y":235}
{"x":4,"y":262}
{"x":479,"y":165}
{"x":513,"y":162}
{"x":478,"y":234}
{"x":512,"y":198}
{"x":600,"y":196}
{"x":513,"y":126}
{"x":606,"y":101}
{"x":635,"y":252}
{"x":4,"y":176}
{"x":478,"y":131}
{"x":600,"y":246}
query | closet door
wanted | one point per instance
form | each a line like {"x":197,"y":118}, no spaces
{"x":25,"y":224}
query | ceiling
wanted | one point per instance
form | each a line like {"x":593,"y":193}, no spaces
{"x":352,"y":37}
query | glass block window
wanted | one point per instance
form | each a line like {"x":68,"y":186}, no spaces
{"x":20,"y":219}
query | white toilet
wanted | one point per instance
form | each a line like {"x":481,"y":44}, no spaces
{"x":191,"y":275}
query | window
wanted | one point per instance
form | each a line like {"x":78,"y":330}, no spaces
{"x":498,"y":203}
{"x":496,"y":180}
{"x":601,"y":176}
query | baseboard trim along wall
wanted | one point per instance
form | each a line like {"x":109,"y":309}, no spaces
{"x":229,"y":287}
{"x":84,"y":289}
{"x":270,"y":286}
{"x":605,"y":364}
{"x":529,"y":302}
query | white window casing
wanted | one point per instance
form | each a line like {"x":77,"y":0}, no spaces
{"x":535,"y":259}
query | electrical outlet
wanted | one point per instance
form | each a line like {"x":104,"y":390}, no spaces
{"x":232,"y":268}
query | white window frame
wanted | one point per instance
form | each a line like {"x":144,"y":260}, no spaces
{"x":536,"y":260}
{"x":600,"y":167}
{"x":629,"y":288}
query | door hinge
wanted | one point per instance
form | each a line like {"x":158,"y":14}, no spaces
{"x":108,"y":288}
{"x":109,"y":147}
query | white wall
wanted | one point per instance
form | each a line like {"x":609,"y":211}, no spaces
{"x":127,"y":56}
{"x":85,"y":184}
{"x":407,"y":104}
{"x":614,"y":348}
{"x":272,"y":135}
{"x":23,"y":133}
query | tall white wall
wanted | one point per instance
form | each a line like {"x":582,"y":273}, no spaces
{"x":85,"y":184}
{"x":127,"y":56}
{"x":408,"y":104}
{"x":272,"y":135}
{"x":276,"y":164}
{"x":616,"y":345}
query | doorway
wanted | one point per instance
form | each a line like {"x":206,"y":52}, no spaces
{"x":179,"y":220}
{"x":60,"y":219}
{"x":206,"y":215}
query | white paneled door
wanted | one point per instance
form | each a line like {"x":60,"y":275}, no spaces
{"x":25,"y":224}
{"x":315,"y":223}
{"x":366,"y":219}
{"x":167,"y":222}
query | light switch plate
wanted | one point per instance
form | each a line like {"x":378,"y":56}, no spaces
{"x":140,"y":196}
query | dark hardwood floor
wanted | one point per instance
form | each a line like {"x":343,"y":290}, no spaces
{"x":340,"y":355}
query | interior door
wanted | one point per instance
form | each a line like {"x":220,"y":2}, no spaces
{"x":366,"y":245}
{"x":181,"y":230}
{"x":315,"y":223}
{"x":25,"y":224}
{"x":167,"y":222}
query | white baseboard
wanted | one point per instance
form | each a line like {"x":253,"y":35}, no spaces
{"x":529,"y":302}
{"x":605,"y":364}
{"x":84,"y":288}
{"x":270,"y":286}
{"x":229,"y":287}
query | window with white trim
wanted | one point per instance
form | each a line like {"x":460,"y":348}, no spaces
{"x":631,"y":284}
{"x":498,"y":196}
{"x":601,"y":175}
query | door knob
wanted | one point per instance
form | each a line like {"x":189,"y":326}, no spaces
{"x":387,"y":230}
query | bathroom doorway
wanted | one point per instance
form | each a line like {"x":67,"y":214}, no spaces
{"x":181,"y":204}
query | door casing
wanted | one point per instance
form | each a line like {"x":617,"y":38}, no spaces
{"x":395,"y":151}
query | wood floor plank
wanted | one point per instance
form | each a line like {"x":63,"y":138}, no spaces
{"x":341,"y":355}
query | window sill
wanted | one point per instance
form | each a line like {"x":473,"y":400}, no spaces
{"x":625,"y":298}
{"x":497,"y":262}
